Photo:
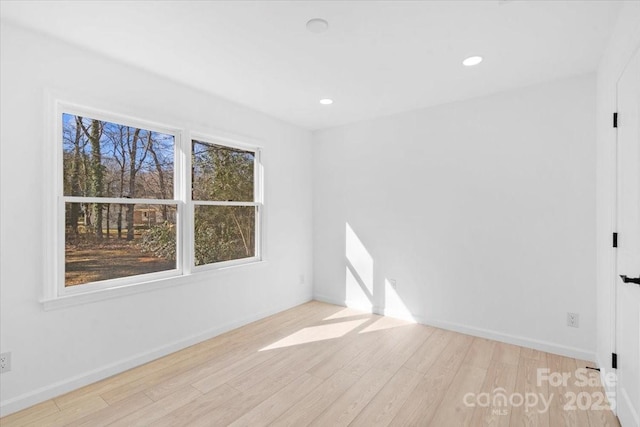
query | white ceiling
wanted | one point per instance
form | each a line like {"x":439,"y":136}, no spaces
{"x":377,"y":58}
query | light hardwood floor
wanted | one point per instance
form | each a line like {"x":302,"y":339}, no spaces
{"x":324,"y":365}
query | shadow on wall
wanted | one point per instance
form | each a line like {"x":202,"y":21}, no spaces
{"x":360,"y":289}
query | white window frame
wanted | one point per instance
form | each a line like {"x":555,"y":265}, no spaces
{"x":257,"y":200}
{"x":55,"y":294}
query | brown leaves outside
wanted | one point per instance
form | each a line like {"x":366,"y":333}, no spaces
{"x":92,"y":260}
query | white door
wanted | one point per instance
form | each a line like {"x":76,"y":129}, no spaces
{"x":628,"y":263}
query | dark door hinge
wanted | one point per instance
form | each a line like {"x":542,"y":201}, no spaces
{"x":614,"y":360}
{"x":615,"y":120}
{"x":615,"y":240}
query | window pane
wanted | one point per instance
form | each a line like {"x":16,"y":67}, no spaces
{"x":224,"y":233}
{"x":133,"y":239}
{"x":104,"y":159}
{"x":221,"y":173}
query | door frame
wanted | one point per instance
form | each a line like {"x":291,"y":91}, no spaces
{"x":614,"y":273}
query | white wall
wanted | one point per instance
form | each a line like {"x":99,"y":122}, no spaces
{"x":483,"y":211}
{"x":58,"y":350}
{"x":625,"y":39}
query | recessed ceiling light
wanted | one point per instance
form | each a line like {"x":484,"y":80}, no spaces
{"x":471,"y":61}
{"x":317,"y":25}
{"x":326,"y":101}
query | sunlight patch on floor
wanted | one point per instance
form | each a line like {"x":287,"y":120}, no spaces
{"x":385,"y":323}
{"x":317,"y":333}
{"x":346,"y":312}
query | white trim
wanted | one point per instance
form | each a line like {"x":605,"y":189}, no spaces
{"x":369,"y":308}
{"x":396,"y":314}
{"x":542,"y":345}
{"x":56,"y":389}
{"x":120,"y":282}
{"x":57,"y":288}
{"x":108,"y":116}
{"x":628,"y":408}
{"x":50,"y":196}
{"x":119,"y":200}
{"x":258,"y":178}
{"x":628,"y":411}
{"x":147,"y":286}
{"x":226,"y":264}
{"x":188,"y":241}
{"x":609,"y":389}
{"x":55,"y":293}
{"x":328,"y":300}
{"x":546,"y":346}
{"x":224,"y":140}
{"x":100,"y":294}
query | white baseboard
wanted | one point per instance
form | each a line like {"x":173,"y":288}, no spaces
{"x":50,"y":391}
{"x":331,"y":300}
{"x":546,"y":346}
{"x":398,"y":315}
{"x":626,"y":413}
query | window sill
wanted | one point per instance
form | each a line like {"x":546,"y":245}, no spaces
{"x":152,"y":285}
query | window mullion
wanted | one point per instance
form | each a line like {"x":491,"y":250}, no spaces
{"x":119,"y":201}
{"x":183,"y":181}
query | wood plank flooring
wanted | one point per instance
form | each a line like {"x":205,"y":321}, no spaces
{"x":323,"y":365}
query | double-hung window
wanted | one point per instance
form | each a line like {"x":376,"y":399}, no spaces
{"x":226,"y":211}
{"x":136,"y":203}
{"x":120,"y":208}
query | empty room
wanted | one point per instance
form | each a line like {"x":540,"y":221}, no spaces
{"x":328,"y":213}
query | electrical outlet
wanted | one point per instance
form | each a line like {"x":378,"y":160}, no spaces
{"x":302,"y":279}
{"x":393,"y":283}
{"x":5,"y":362}
{"x":573,"y":320}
